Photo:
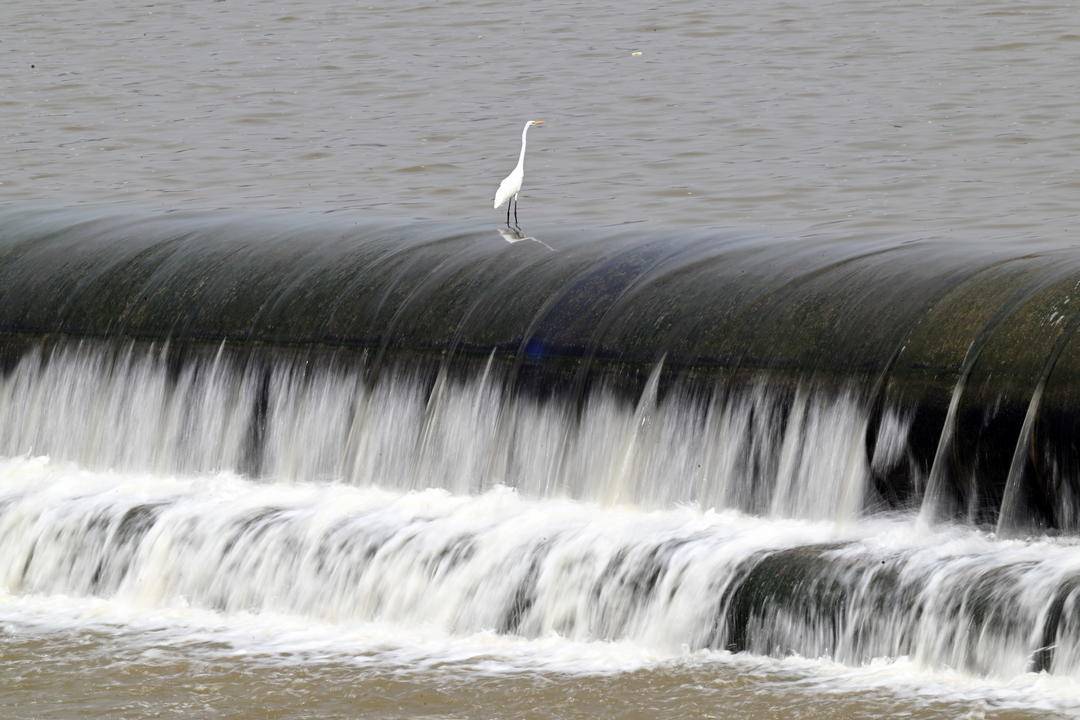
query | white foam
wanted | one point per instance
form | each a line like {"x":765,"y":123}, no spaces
{"x":300,"y":570}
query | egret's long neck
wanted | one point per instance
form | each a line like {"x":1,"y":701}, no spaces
{"x":521,"y":157}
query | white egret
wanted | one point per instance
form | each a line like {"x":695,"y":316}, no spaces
{"x":511,"y":186}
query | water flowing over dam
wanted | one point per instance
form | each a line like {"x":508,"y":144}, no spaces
{"x":697,"y":440}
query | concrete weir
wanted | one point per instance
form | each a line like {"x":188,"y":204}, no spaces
{"x":971,"y":347}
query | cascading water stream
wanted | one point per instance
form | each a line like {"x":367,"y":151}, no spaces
{"x":543,"y":524}
{"x":497,"y":561}
{"x":716,"y":446}
{"x":743,"y":450}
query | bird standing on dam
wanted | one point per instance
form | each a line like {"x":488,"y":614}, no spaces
{"x":511,"y":185}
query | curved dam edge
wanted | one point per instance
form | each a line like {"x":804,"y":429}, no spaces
{"x":976,"y":342}
{"x":705,"y":302}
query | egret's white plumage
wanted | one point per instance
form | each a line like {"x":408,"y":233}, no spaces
{"x":511,"y":185}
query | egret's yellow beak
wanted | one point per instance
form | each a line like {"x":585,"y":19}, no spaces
{"x":537,"y":122}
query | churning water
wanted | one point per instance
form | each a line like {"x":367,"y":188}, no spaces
{"x":320,"y":515}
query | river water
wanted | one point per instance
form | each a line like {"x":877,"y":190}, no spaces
{"x":841,"y":117}
{"x":375,"y":566}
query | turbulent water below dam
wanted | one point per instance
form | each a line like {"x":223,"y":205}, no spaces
{"x":328,"y":452}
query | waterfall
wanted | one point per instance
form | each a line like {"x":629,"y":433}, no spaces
{"x":755,"y":449}
{"x":707,"y":446}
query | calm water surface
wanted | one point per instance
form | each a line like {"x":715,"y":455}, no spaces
{"x":907,"y":118}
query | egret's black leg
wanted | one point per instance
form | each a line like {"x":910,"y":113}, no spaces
{"x":516,"y":224}
{"x":508,"y":211}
